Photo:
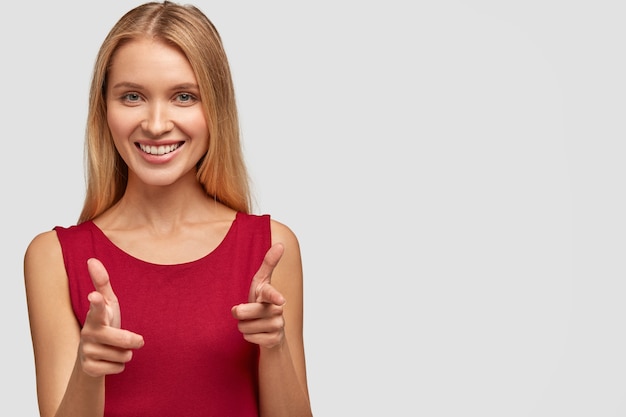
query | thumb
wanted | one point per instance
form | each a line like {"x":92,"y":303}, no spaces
{"x":104,"y":297}
{"x":97,"y":313}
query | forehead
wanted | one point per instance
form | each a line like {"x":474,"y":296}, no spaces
{"x":147,"y":60}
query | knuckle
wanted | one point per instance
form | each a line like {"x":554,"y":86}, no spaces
{"x":237,"y":312}
{"x":278,"y":323}
{"x":91,"y":369}
{"x":127,"y":356}
{"x":88,"y":350}
{"x":241,"y":327}
{"x":87,"y":332}
{"x":116,"y":368}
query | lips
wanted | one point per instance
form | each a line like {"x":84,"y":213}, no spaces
{"x":160,"y":149}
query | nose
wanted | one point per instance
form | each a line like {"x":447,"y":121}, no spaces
{"x":157,"y":121}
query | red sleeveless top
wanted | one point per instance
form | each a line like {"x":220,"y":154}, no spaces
{"x":195,"y":362}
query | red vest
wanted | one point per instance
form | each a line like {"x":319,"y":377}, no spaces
{"x":195,"y":361}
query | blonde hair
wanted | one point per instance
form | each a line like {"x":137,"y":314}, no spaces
{"x":221,"y":171}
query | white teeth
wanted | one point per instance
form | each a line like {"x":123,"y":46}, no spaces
{"x":158,"y":150}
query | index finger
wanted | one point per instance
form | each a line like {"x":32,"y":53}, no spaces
{"x":100,"y":279}
{"x":264,"y":274}
{"x":270,"y":261}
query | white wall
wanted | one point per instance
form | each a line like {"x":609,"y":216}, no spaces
{"x":454,"y":171}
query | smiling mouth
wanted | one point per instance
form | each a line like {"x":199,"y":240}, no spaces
{"x":159,"y":150}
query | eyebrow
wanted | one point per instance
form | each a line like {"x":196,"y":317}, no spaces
{"x":183,"y":86}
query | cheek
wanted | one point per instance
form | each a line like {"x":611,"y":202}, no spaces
{"x":116,"y":121}
{"x":121,"y":128}
{"x":196,"y":127}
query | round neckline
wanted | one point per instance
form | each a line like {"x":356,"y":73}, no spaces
{"x":111,"y":244}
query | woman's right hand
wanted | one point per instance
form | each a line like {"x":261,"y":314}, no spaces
{"x":104,"y":347}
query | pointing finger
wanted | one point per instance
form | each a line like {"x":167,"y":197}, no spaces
{"x":264,"y":274}
{"x":102,"y":284}
{"x":270,"y":261}
{"x":100,"y":279}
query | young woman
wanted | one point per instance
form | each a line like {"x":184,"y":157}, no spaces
{"x":168,"y":297}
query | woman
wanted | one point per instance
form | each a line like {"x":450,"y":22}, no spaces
{"x":210,"y":294}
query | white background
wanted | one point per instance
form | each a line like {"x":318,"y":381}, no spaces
{"x":454,"y":171}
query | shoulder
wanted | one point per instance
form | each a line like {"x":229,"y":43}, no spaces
{"x":43,"y":258}
{"x":44,"y":245}
{"x":281,"y":233}
{"x":291,"y":261}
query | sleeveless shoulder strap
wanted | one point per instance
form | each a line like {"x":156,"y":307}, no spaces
{"x":77,"y":244}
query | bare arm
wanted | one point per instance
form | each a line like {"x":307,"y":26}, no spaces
{"x":274,"y":320}
{"x":70,"y":362}
{"x":55,"y":335}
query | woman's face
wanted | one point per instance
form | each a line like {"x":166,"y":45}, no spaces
{"x":154,"y":112}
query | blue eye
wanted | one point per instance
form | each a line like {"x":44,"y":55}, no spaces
{"x":131,"y":97}
{"x":186,"y":98}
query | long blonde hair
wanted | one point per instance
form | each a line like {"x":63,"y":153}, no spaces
{"x":221,"y":171}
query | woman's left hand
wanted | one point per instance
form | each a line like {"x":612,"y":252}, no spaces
{"x":261,"y":319}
